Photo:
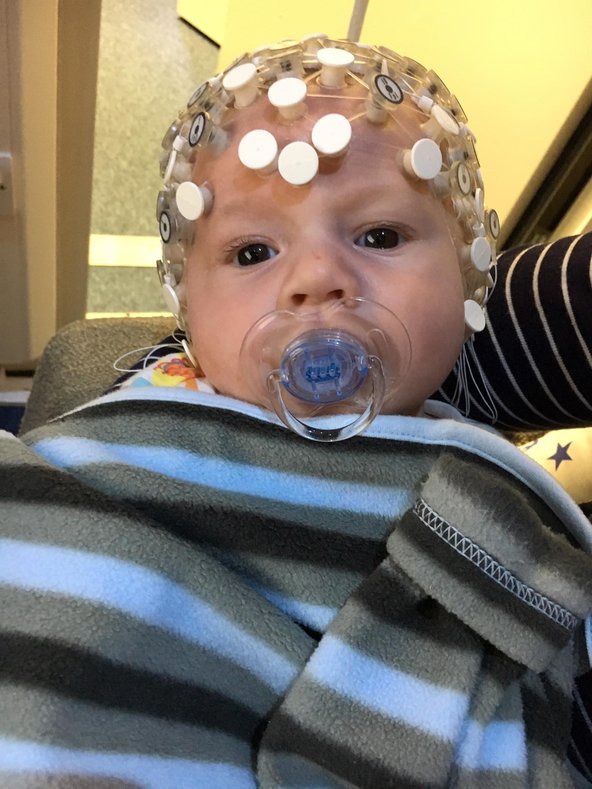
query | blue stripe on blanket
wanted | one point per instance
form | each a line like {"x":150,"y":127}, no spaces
{"x":448,"y":429}
{"x":153,"y":772}
{"x":501,"y":745}
{"x":318,"y":617}
{"x":68,"y":452}
{"x":143,"y":594}
{"x":437,"y":710}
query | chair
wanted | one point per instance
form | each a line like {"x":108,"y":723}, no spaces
{"x":77,"y":364}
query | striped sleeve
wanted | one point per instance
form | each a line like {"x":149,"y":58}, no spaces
{"x":535,"y":355}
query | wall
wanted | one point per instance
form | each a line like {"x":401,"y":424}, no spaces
{"x":27,"y":239}
{"x":518,"y":69}
{"x":48,"y":61}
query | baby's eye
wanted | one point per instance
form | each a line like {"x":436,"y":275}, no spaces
{"x":379,"y":238}
{"x":254,"y":253}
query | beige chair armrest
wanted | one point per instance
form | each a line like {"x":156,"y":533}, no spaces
{"x":77,"y":364}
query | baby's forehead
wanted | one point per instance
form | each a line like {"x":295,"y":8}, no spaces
{"x":369,"y":172}
{"x":373,"y":145}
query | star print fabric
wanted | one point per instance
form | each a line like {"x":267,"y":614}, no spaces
{"x":567,"y":456}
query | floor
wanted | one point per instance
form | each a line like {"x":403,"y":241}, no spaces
{"x":150,"y":61}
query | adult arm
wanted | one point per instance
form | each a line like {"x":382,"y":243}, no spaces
{"x":535,"y":355}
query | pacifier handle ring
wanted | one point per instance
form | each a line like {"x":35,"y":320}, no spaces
{"x":328,"y":435}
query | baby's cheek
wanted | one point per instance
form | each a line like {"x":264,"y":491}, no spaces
{"x":217,"y":350}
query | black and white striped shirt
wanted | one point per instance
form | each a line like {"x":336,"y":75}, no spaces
{"x":535,"y":354}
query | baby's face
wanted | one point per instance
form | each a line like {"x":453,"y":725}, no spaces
{"x":361,"y":228}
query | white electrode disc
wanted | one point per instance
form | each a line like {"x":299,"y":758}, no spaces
{"x":298,"y":163}
{"x":331,"y":134}
{"x":190,"y":200}
{"x":242,"y":82}
{"x":239,"y":76}
{"x":335,"y":63}
{"x":258,"y":149}
{"x":287,"y":92}
{"x":480,"y":254}
{"x":426,"y":159}
{"x":474,"y":316}
{"x":445,"y":120}
{"x":332,"y":56}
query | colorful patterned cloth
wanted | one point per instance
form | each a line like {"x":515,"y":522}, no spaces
{"x":174,"y":369}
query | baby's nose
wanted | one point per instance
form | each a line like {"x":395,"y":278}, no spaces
{"x":316,"y":280}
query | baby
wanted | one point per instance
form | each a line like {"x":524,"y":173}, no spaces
{"x":335,"y":186}
{"x":194,"y":596}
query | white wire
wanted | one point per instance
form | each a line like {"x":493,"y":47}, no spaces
{"x":470,"y":383}
{"x":148,"y":359}
{"x":475,"y":371}
{"x":357,"y":20}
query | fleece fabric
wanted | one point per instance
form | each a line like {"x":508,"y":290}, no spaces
{"x":192,"y":596}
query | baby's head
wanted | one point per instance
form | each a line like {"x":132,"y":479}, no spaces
{"x":328,"y":191}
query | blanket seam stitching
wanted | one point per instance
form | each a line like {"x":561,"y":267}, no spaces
{"x":493,"y":569}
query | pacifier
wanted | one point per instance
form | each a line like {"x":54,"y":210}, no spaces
{"x":319,"y":369}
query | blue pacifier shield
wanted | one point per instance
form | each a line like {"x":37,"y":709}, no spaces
{"x":324,"y":366}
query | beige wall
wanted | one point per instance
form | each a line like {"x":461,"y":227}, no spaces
{"x":208,"y":18}
{"x":48,"y":64}
{"x":27,"y":247}
{"x":518,"y":68}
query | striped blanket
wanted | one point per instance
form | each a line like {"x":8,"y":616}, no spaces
{"x":191,"y":596}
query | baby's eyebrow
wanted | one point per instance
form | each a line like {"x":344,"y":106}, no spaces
{"x":397,"y":193}
{"x":233,"y":209}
